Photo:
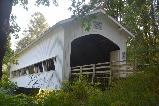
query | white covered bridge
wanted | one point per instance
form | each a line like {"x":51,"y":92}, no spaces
{"x":47,"y":61}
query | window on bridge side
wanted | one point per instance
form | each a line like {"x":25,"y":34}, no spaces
{"x":44,"y":65}
{"x":50,"y":65}
{"x":40,"y":67}
{"x":31,"y":69}
{"x":14,"y":74}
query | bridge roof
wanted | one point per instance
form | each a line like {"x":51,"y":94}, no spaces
{"x":60,"y":23}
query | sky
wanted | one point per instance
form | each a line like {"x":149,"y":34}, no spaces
{"x":52,"y":13}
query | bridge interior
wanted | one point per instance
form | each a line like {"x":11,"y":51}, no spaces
{"x":91,"y":49}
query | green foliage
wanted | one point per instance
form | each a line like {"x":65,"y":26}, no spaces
{"x":140,"y":89}
{"x":24,"y":3}
{"x":14,"y":26}
{"x":9,"y":53}
{"x":71,"y":94}
{"x":137,"y":90}
{"x":81,"y":12}
{"x":7,"y":96}
{"x":6,"y":86}
{"x":45,"y":2}
{"x":145,"y":26}
{"x":17,"y":100}
{"x":80,"y":91}
{"x":8,"y":58}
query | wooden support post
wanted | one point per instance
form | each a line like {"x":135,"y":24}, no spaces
{"x":80,"y":69}
{"x":134,"y":64}
{"x":93,"y":76}
{"x":111,"y":70}
{"x":44,"y":66}
{"x":111,"y":66}
{"x":22,"y":71}
{"x":27,"y":71}
{"x":80,"y":72}
{"x":110,"y":78}
{"x":35,"y":69}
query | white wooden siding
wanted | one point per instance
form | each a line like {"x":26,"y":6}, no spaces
{"x":49,"y":46}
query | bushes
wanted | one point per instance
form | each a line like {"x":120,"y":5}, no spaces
{"x":77,"y":93}
{"x":133,"y":92}
{"x":80,"y":91}
{"x":6,"y":86}
{"x":141,"y":89}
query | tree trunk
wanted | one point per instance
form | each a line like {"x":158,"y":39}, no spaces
{"x":5,"y":11}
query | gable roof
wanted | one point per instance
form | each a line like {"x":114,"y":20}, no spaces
{"x":60,"y":23}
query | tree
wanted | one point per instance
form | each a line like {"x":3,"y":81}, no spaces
{"x":22,"y":43}
{"x":145,"y":26}
{"x":37,"y":26}
{"x":6,"y":8}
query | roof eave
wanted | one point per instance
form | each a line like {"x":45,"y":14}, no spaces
{"x":131,"y":35}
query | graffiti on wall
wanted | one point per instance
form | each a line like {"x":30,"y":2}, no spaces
{"x":44,"y":80}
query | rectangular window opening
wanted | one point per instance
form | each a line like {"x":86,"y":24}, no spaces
{"x":31,"y":69}
{"x":50,"y":65}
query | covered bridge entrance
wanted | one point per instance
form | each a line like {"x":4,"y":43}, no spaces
{"x":91,"y":54}
{"x":91,"y":49}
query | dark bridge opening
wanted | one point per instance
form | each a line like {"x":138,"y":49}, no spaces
{"x":91,"y":49}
